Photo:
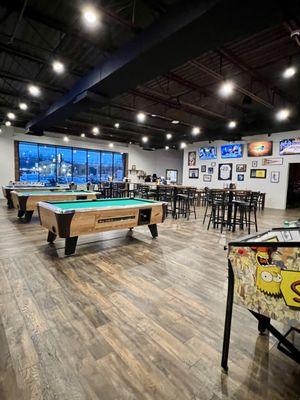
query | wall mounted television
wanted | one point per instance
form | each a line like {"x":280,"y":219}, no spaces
{"x":260,"y":149}
{"x":232,"y":151}
{"x":288,"y":147}
{"x":207,"y":152}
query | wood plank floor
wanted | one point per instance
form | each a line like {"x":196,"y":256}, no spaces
{"x":129,"y":318}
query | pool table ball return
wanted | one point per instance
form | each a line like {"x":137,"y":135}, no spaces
{"x":26,"y":202}
{"x":71,"y":219}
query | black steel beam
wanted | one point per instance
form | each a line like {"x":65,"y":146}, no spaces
{"x":188,"y":31}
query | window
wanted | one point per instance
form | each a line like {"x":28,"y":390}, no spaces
{"x":47,"y":164}
{"x":59,"y":164}
{"x":119,"y":170}
{"x":106,"y":165}
{"x":94,"y":166}
{"x":79,"y":165}
{"x":64,"y":165}
{"x":28,"y":162}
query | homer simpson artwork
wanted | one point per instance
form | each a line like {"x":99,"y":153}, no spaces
{"x":267,"y":279}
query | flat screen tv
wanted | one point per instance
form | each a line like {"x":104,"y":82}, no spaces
{"x":207,"y":153}
{"x":232,"y":151}
{"x":260,"y":149}
{"x":288,"y":147}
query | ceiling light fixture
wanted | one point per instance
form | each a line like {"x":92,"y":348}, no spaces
{"x":58,"y":67}
{"x":111,"y":145}
{"x":195,"y":130}
{"x":141,"y":117}
{"x":95,"y":130}
{"x":289,"y":72}
{"x":11,"y":115}
{"x":23,"y":106}
{"x":226,"y":89}
{"x":182,"y":145}
{"x":232,"y":124}
{"x":169,"y":136}
{"x":66,"y":139}
{"x":7,"y":123}
{"x":117,"y":125}
{"x":90,"y":16}
{"x":167,"y":147}
{"x":82,"y":134}
{"x":175,"y":122}
{"x":283,"y":114}
{"x":34,"y":90}
{"x":144,"y":139}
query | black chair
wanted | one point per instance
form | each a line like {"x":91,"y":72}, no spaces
{"x":219,"y":205}
{"x":186,"y":202}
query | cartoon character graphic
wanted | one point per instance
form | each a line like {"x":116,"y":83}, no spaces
{"x":268,"y":275}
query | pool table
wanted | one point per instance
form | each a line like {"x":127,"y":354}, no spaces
{"x":71,"y":219}
{"x":26,"y":202}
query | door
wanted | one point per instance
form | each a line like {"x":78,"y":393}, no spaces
{"x":293,"y":194}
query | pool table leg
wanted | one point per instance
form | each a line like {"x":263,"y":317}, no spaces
{"x":153,"y":230}
{"x":70,"y":246}
{"x":51,"y":237}
{"x":28,"y":216}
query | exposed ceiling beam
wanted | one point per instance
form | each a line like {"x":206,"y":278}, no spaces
{"x":238,"y":88}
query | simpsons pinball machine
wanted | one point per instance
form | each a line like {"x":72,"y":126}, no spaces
{"x":264,"y":277}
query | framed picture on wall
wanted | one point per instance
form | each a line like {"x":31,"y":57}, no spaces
{"x":206,"y":178}
{"x":225,"y":172}
{"x":240,"y":177}
{"x":260,"y":149}
{"x":192,"y":158}
{"x":241,"y":167}
{"x":272,"y":161}
{"x":172,"y":175}
{"x":254,"y":164}
{"x":210,"y":170}
{"x":194,"y":173}
{"x":203,"y":168}
{"x":258,"y":173}
{"x":275,"y":175}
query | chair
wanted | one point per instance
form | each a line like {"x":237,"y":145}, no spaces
{"x":219,"y":205}
{"x":186,"y":202}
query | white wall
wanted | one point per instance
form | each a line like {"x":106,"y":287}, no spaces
{"x":275,"y":192}
{"x":150,"y":161}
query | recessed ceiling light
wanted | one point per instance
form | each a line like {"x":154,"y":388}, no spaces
{"x":289,"y":72}
{"x":111,"y":145}
{"x":226,"y":89}
{"x":95,"y":130}
{"x":182,"y":145}
{"x":195,"y":130}
{"x":34,"y":90}
{"x":175,"y":122}
{"x":90,"y":16}
{"x":8,"y":123}
{"x":232,"y":124}
{"x":153,"y":115}
{"x":144,"y":139}
{"x":11,"y":115}
{"x":283,"y":114}
{"x":82,"y":134}
{"x":117,"y":125}
{"x":66,"y":139}
{"x":141,"y":117}
{"x":23,"y":106}
{"x":169,"y":136}
{"x":58,"y":67}
{"x":167,"y":147}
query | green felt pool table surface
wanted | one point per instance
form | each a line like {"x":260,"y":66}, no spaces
{"x":82,"y":204}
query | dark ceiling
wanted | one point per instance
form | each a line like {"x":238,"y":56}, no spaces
{"x":35,"y":32}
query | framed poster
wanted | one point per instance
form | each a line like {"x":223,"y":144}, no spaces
{"x":240,"y":177}
{"x":272,"y":161}
{"x":191,"y":158}
{"x":241,"y":167}
{"x":203,"y":168}
{"x":254,"y":164}
{"x":210,"y":170}
{"x":225,"y":172}
{"x":260,"y":149}
{"x":194,"y":173}
{"x":206,"y":178}
{"x":207,"y":152}
{"x":172,"y":175}
{"x":275,"y":175}
{"x":289,"y":146}
{"x":232,"y":151}
{"x":258,"y":173}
